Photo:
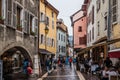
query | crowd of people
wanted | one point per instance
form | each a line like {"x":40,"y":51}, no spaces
{"x":52,"y":63}
{"x":103,"y":69}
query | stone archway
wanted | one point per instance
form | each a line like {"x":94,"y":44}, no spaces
{"x":13,"y":59}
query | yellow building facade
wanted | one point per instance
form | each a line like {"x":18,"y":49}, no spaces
{"x":116,"y":34}
{"x":48,"y":18}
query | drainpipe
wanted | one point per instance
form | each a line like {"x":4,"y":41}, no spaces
{"x":109,"y":25}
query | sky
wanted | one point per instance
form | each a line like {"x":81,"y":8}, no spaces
{"x":66,"y":8}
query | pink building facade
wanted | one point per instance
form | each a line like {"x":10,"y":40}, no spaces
{"x":79,"y":23}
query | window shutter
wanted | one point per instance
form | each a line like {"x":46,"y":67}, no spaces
{"x":28,"y":23}
{"x":4,"y":9}
{"x":25,"y":21}
{"x":33,"y":24}
{"x":9,"y":12}
{"x":22,"y":18}
{"x":14,"y":23}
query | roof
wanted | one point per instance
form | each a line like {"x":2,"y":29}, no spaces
{"x":52,"y":7}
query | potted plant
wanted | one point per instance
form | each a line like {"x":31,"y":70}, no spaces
{"x":19,"y":27}
{"x":32,"y":33}
{"x":1,"y":20}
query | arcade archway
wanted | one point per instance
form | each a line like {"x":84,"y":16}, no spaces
{"x":13,"y":59}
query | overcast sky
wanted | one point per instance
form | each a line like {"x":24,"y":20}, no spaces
{"x":66,"y":9}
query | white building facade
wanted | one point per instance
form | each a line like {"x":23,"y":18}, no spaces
{"x":91,"y":23}
{"x":61,"y":38}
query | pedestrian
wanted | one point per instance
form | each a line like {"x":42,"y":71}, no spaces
{"x":105,"y":73}
{"x":29,"y":70}
{"x":54,"y":63}
{"x":70,"y":61}
{"x":48,"y":63}
{"x":25,"y":65}
{"x":108,"y":62}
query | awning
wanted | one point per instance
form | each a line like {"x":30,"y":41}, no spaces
{"x":114,"y":53}
{"x":43,"y":51}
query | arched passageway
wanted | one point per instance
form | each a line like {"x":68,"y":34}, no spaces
{"x":13,"y":60}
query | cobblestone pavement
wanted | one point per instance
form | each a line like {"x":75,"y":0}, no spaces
{"x":90,"y":77}
{"x":66,"y":74}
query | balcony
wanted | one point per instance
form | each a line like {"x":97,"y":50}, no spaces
{"x":19,"y":27}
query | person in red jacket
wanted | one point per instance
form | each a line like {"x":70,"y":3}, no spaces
{"x":70,"y":61}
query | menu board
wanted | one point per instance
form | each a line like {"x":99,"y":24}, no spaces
{"x":1,"y":70}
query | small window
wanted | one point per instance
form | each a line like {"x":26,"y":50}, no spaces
{"x":105,"y":18}
{"x":80,"y":29}
{"x":52,"y":14}
{"x":98,"y":28}
{"x":52,"y":24}
{"x":41,"y":39}
{"x":103,"y":1}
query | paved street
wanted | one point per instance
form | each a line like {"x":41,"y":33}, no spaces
{"x":66,"y":74}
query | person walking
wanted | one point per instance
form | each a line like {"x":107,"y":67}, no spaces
{"x":48,"y":63}
{"x":70,"y":61}
{"x":108,"y":62}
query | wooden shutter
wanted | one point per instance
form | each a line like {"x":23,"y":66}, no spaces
{"x":22,"y":18}
{"x":14,"y":23}
{"x":3,"y":8}
{"x":25,"y":21}
{"x":9,"y":12}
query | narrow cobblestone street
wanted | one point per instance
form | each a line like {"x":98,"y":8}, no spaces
{"x":66,"y":74}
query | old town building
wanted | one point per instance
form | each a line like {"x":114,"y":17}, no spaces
{"x":61,"y":38}
{"x":18,"y":34}
{"x":48,"y":34}
{"x":79,"y":24}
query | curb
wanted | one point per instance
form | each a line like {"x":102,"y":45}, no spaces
{"x":45,"y":75}
{"x":81,"y":77}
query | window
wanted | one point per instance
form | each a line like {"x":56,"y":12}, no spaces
{"x":47,"y":20}
{"x":31,"y":24}
{"x":59,"y":36}
{"x":93,"y":33}
{"x":90,"y":36}
{"x":82,"y":40}
{"x":105,"y":18}
{"x":42,"y":16}
{"x":59,"y":48}
{"x":98,"y":29}
{"x":103,"y":1}
{"x":64,"y":38}
{"x":52,"y":14}
{"x":80,"y":29}
{"x":52,"y":42}
{"x":19,"y":27}
{"x":52,"y":24}
{"x":98,"y":5}
{"x":114,"y":11}
{"x":41,"y":39}
{"x":93,"y":15}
